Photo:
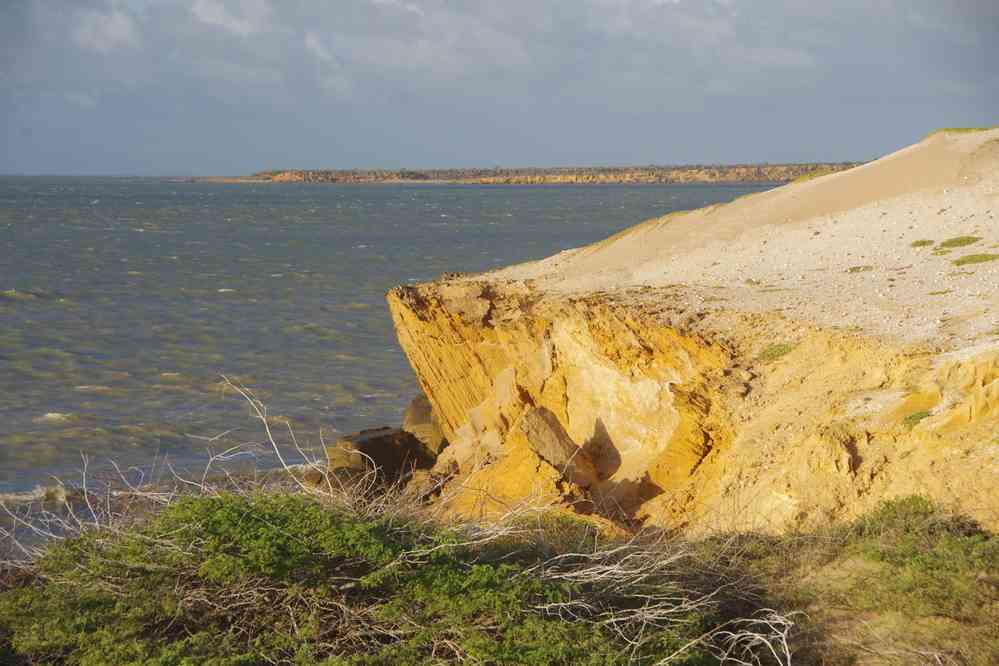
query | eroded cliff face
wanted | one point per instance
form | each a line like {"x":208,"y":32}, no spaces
{"x":692,"y":419}
{"x":639,"y":401}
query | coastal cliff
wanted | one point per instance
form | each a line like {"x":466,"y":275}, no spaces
{"x":790,"y":358}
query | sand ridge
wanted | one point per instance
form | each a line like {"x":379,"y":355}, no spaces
{"x":871,"y":248}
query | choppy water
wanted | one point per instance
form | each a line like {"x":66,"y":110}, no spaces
{"x":124,"y":300}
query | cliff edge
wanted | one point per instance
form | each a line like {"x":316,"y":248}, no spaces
{"x":787,"y":359}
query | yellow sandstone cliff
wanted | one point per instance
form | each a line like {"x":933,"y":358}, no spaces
{"x":783,"y":360}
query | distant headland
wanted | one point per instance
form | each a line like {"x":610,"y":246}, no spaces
{"x":695,"y":173}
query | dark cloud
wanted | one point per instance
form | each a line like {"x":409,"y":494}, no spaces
{"x":230,"y":86}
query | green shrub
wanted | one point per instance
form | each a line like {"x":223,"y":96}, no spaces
{"x":233,"y":580}
{"x":906,"y":576}
{"x":935,"y":564}
{"x":286,"y":579}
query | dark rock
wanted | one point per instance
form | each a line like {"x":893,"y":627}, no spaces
{"x":547,"y":438}
{"x":392,"y":451}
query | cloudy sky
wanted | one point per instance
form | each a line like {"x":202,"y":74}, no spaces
{"x":232,"y":86}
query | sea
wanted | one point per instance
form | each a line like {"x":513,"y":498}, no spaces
{"x":131,"y":308}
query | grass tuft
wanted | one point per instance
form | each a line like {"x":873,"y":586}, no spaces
{"x":959,"y":241}
{"x":911,"y":420}
{"x":817,"y":173}
{"x":775,"y":351}
{"x":969,"y":259}
{"x":921,"y":243}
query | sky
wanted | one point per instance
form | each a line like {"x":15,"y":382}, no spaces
{"x":226,"y":87}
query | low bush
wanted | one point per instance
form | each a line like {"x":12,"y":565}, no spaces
{"x":271,"y":578}
{"x":291,"y":578}
{"x":933,"y":564}
{"x":905,"y":583}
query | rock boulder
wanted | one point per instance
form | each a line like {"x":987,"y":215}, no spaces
{"x":392,"y":451}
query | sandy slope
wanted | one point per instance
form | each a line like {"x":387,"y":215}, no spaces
{"x":836,"y":250}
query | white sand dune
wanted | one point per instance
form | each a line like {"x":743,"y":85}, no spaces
{"x":836,"y":250}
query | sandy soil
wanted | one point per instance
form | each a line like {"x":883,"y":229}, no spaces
{"x":863,"y":249}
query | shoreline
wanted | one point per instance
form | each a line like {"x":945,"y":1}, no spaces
{"x":628,"y":175}
{"x":238,"y":180}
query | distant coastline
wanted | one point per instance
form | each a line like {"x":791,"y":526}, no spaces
{"x":696,"y":173}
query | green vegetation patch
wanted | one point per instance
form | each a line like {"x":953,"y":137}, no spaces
{"x":911,"y":420}
{"x":235,"y":580}
{"x":859,"y":269}
{"x":940,"y":293}
{"x":969,"y":259}
{"x":15,"y":295}
{"x":907,"y":575}
{"x":921,"y":243}
{"x":817,"y":173}
{"x":776,"y":351}
{"x":959,"y":241}
{"x":934,"y":564}
{"x":288,"y":579}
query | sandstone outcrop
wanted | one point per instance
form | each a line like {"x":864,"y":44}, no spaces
{"x":420,"y":422}
{"x":790,"y":358}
